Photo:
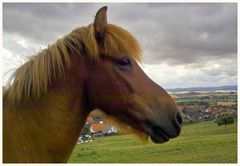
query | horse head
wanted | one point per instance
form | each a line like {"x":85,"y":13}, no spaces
{"x":118,"y":86}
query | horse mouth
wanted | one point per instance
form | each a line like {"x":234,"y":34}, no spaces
{"x":158,"y":135}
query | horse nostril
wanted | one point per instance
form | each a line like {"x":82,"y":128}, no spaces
{"x":177,"y":122}
{"x":179,"y":118}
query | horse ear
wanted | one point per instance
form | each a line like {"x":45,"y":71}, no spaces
{"x":100,"y":23}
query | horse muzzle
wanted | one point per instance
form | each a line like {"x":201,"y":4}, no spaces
{"x":162,"y":130}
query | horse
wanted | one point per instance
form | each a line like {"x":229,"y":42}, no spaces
{"x":49,"y":98}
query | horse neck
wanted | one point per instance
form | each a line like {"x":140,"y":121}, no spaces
{"x":44,"y":131}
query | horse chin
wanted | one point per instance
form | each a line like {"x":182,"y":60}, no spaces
{"x":158,"y":135}
{"x":125,"y":127}
{"x":159,"y":140}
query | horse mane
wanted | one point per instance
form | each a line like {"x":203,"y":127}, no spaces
{"x":31,"y":80}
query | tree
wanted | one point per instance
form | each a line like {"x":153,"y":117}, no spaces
{"x":86,"y":130}
{"x":225,"y":120}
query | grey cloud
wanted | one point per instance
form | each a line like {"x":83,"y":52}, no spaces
{"x":227,"y":68}
{"x":184,"y":36}
{"x":44,"y":22}
{"x":171,"y":33}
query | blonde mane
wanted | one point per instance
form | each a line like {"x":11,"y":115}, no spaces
{"x":32,"y":79}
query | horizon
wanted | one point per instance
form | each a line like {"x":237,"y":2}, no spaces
{"x":203,"y":87}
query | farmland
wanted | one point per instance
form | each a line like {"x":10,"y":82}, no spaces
{"x":198,"y":105}
{"x":202,"y":142}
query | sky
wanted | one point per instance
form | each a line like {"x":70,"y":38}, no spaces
{"x":184,"y":45}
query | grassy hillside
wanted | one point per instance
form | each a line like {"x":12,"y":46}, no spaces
{"x":203,"y":142}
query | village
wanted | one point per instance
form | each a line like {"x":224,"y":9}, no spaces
{"x":195,"y":106}
{"x":206,"y":105}
{"x":96,"y":126}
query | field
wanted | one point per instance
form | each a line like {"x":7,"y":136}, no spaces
{"x":226,"y":103}
{"x":202,"y":142}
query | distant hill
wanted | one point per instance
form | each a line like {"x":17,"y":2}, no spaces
{"x":203,"y":88}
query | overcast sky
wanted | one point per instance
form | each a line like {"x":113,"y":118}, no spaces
{"x":185,"y":45}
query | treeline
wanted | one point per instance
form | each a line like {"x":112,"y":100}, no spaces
{"x":192,"y":102}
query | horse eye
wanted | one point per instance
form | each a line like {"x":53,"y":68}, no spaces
{"x":124,"y":63}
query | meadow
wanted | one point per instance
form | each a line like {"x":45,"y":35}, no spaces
{"x":202,"y":142}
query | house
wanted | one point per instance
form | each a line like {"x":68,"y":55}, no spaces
{"x":100,"y":129}
{"x":96,"y":128}
{"x":84,"y":139}
{"x":109,"y":130}
{"x":180,"y":107}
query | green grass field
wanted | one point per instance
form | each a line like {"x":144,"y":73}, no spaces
{"x":202,"y":142}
